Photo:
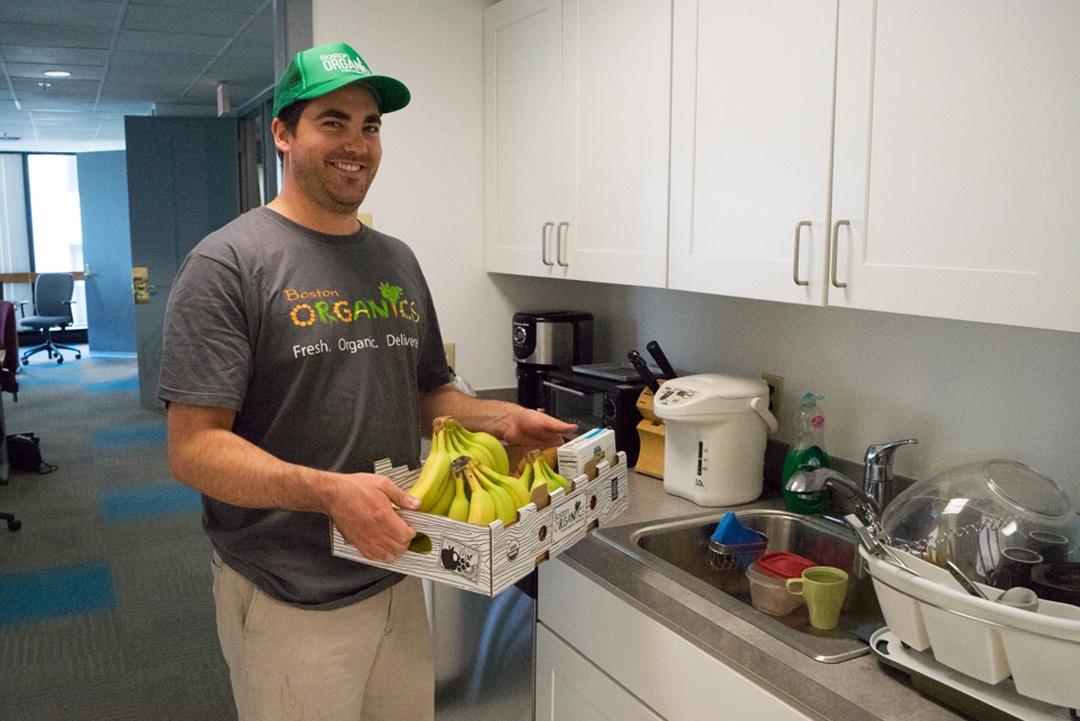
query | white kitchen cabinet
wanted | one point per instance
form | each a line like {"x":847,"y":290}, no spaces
{"x":633,"y":661}
{"x":569,"y":688}
{"x":750,"y":148}
{"x":957,"y":162}
{"x":577,"y":124}
{"x":939,"y":177}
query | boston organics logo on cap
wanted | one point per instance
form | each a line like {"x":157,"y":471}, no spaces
{"x":344,"y":63}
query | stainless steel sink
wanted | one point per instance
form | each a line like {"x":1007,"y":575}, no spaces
{"x":678,"y":549}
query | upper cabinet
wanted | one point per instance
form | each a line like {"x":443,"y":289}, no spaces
{"x":957,"y":162}
{"x":916,"y":156}
{"x":751,"y":147}
{"x":577,"y":129}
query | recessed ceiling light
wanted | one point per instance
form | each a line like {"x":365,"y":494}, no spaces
{"x":56,"y":73}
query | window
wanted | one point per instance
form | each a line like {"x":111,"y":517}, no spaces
{"x":39,"y":199}
{"x":56,"y":221}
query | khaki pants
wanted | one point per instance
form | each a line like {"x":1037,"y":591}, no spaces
{"x":370,"y":661}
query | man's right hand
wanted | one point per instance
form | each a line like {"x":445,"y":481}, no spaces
{"x":206,"y":455}
{"x":363,"y":510}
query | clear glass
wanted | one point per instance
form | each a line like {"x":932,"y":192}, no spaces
{"x":56,"y":220}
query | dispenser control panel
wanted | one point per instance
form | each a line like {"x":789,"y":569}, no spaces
{"x":670,"y":395}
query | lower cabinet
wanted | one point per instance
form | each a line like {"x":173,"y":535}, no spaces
{"x":569,"y":688}
{"x":599,"y":657}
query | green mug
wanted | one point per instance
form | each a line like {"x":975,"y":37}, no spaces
{"x":824,"y":588}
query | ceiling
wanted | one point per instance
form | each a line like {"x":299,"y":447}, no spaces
{"x":126,"y":57}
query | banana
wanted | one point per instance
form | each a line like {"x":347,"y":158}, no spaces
{"x":518,"y":491}
{"x":441,"y":505}
{"x":454,"y":446}
{"x":541,"y":470}
{"x":505,"y":510}
{"x":430,"y":484}
{"x":481,"y":504}
{"x":420,"y":544}
{"x":456,"y":433}
{"x":526,"y":476}
{"x":459,"y":507}
{"x":492,"y":446}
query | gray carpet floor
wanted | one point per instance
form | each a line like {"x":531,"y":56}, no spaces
{"x":153,"y":654}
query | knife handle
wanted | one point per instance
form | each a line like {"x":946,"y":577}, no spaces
{"x":661,"y":359}
{"x":643,"y":370}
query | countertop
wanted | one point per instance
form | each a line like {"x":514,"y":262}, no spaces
{"x":860,"y":689}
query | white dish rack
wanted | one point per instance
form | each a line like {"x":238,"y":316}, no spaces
{"x":985,"y":640}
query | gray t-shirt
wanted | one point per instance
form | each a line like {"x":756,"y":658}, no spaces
{"x":320,"y":343}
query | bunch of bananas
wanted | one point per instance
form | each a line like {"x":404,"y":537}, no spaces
{"x":488,"y":496}
{"x":465,"y":477}
{"x":536,"y":471}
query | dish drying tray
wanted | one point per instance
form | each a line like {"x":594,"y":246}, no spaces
{"x":987,"y":641}
{"x":979,"y":700}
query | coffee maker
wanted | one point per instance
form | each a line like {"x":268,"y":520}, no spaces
{"x":548,"y":341}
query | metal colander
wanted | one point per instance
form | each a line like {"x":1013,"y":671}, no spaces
{"x":731,"y":556}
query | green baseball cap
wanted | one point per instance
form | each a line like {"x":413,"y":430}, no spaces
{"x":326,"y":68}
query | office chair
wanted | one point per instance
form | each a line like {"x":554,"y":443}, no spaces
{"x":52,"y":309}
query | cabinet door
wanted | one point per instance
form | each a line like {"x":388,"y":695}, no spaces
{"x":523,"y":135}
{"x":751,"y":146}
{"x":617,"y":90}
{"x":958,"y":160}
{"x":569,"y":688}
{"x":672,"y":676}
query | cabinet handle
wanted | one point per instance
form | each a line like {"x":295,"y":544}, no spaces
{"x":560,"y":243}
{"x":795,"y":271}
{"x":545,"y":236}
{"x":835,"y":244}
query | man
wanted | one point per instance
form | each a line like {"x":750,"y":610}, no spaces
{"x":300,"y":347}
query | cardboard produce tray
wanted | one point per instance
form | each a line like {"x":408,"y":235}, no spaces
{"x":490,"y":559}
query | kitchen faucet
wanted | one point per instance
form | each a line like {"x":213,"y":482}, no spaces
{"x":878,"y":471}
{"x":878,"y":489}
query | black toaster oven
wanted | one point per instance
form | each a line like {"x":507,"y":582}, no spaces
{"x":593,"y":402}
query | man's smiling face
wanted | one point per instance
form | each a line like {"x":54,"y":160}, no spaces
{"x":336,"y":150}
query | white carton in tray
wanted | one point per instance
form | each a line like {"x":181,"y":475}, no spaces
{"x":490,"y":559}
{"x":596,"y":445}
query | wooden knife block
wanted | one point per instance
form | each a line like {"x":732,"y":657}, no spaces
{"x":651,"y":433}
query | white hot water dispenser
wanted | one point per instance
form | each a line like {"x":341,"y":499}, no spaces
{"x":717,"y":427}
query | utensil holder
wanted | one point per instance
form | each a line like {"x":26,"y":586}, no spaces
{"x":651,"y":432}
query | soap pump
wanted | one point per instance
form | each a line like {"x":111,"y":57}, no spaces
{"x":807,"y":452}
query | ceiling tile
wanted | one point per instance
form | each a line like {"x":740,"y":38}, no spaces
{"x":80,"y":13}
{"x":194,"y":21}
{"x":55,"y":36}
{"x":53,"y":55}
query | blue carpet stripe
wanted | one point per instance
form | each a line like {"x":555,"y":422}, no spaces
{"x":53,"y":592}
{"x":39,"y":380}
{"x":122,"y":384}
{"x":148,"y":502}
{"x":129,"y":435}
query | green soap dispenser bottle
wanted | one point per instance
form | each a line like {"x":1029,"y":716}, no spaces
{"x":807,"y":452}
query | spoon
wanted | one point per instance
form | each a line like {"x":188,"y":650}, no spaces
{"x":964,"y":581}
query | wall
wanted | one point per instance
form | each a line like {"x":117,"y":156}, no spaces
{"x":966,"y":390}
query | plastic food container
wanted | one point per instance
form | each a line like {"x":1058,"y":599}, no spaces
{"x":769,"y":593}
{"x":784,"y":565}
